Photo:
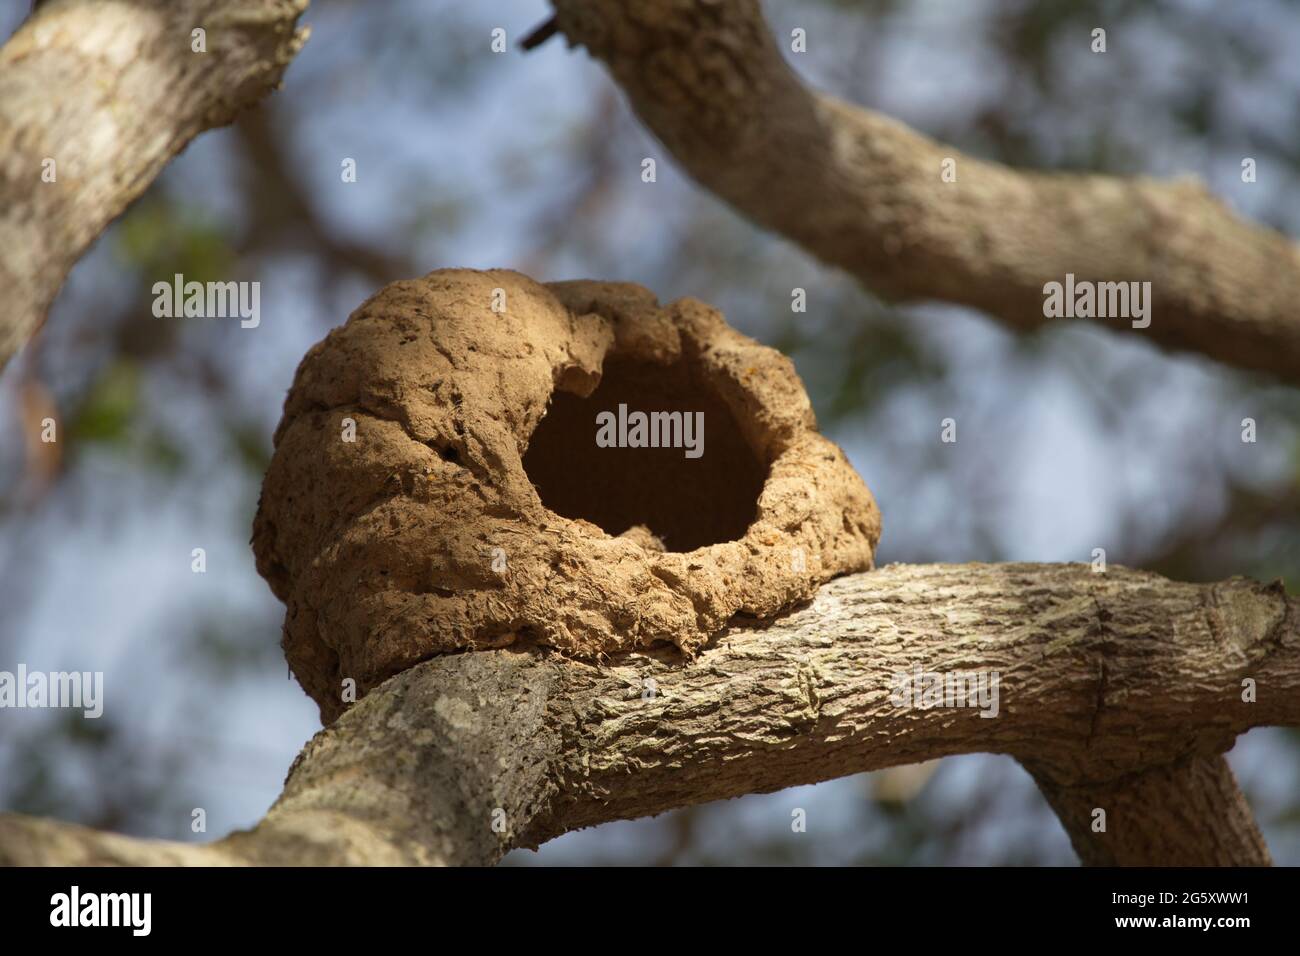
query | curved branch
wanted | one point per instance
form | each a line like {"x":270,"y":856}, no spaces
{"x":1117,"y":690}
{"x":863,"y":192}
{"x":110,"y":92}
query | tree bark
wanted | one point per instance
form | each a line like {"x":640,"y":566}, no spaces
{"x":1188,"y":813}
{"x":863,"y":192}
{"x":110,"y":92}
{"x":1118,"y":691}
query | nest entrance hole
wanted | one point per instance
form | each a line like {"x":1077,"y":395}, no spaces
{"x":686,"y":502}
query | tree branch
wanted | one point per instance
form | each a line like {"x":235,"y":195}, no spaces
{"x":110,"y":92}
{"x":1160,"y":816}
{"x":1117,"y":691}
{"x":863,"y":192}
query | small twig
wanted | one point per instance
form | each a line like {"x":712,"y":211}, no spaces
{"x":541,"y":34}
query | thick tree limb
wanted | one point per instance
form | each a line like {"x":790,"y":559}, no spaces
{"x":1118,"y":691}
{"x":110,"y":91}
{"x":863,"y":192}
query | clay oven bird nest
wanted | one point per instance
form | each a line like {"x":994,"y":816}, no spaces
{"x":441,"y":483}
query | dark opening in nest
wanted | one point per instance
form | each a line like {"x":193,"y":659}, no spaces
{"x":686,"y":502}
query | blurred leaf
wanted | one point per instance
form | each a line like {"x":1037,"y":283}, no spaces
{"x":160,"y":238}
{"x":251,"y":445}
{"x":161,"y":453}
{"x":109,"y":408}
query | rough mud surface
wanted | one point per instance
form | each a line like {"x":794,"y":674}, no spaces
{"x":474,"y":508}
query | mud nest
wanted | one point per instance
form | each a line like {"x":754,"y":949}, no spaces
{"x":470,"y":462}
